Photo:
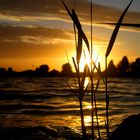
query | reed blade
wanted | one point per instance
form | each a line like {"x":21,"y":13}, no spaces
{"x":69,"y":12}
{"x":84,"y":74}
{"x":79,"y":27}
{"x":73,"y":16}
{"x":74,"y":63}
{"x":75,"y":34}
{"x":115,"y":32}
{"x":98,"y":82}
{"x":76,"y":21}
{"x":79,"y":47}
{"x":99,"y":72}
{"x":86,"y":41}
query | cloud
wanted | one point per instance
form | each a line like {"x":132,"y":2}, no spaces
{"x":13,"y":32}
{"x":31,"y":42}
{"x":29,"y":7}
{"x":24,"y":32}
{"x":36,"y":8}
{"x":46,"y":9}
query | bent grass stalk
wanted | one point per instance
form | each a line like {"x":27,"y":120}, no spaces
{"x":110,"y":46}
{"x":81,"y":37}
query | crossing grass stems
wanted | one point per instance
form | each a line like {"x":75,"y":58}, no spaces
{"x":88,"y":71}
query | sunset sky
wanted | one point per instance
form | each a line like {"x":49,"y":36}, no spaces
{"x":35,"y":32}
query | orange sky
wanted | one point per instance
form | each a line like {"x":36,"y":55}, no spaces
{"x":35,"y":32}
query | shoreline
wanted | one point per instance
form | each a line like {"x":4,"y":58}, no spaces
{"x":129,"y":129}
{"x":38,"y":133}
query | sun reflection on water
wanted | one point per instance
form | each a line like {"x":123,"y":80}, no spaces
{"x":100,"y":119}
{"x":87,"y":80}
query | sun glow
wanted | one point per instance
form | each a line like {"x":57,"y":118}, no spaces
{"x":98,"y":56}
{"x":86,"y":59}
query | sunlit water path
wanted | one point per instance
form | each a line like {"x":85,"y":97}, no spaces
{"x":48,"y":101}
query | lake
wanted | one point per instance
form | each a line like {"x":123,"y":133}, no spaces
{"x":49,"y":101}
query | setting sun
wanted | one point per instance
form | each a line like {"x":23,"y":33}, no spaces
{"x":86,"y":59}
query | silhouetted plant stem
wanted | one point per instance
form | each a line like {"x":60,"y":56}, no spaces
{"x":84,"y":134}
{"x":83,"y":128}
{"x":96,"y":113}
{"x":110,"y":46}
{"x":92,"y":109}
{"x":91,"y":78}
{"x":107,"y":100}
{"x":91,"y":30}
{"x":98,"y":128}
{"x":93,"y":96}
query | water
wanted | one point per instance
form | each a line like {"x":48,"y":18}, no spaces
{"x":49,"y":101}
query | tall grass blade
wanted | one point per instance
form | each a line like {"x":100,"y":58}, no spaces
{"x":83,"y":77}
{"x":69,"y":13}
{"x":99,"y":72}
{"x":84,"y":74}
{"x":110,"y":46}
{"x":74,"y":63}
{"x":75,"y":19}
{"x":73,"y":16}
{"x":75,"y":34}
{"x":86,"y":40}
{"x":79,"y":27}
{"x":95,"y":102}
{"x":97,"y":85}
{"x":115,"y":32}
{"x":79,"y":47}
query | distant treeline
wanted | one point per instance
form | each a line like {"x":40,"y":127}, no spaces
{"x":123,"y":69}
{"x":41,"y":71}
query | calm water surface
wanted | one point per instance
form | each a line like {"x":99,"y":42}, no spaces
{"x":48,"y":101}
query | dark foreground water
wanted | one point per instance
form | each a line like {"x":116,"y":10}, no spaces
{"x":26,"y":102}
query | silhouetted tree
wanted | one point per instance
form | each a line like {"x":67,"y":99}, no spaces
{"x":54,"y":73}
{"x":3,"y":72}
{"x":42,"y":70}
{"x":10,"y":71}
{"x":135,"y":68}
{"x":66,"y":69}
{"x":137,"y":63}
{"x":27,"y":73}
{"x":123,"y":66}
{"x":111,"y":69}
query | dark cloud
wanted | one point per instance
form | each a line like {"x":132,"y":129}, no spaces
{"x":29,"y":7}
{"x":13,"y":32}
{"x":54,"y":8}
